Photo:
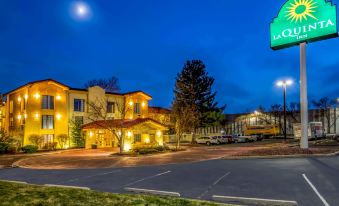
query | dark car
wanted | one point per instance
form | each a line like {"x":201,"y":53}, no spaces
{"x":229,"y":139}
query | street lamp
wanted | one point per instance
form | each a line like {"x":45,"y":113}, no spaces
{"x":284,"y":84}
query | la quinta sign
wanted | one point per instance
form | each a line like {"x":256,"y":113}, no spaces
{"x":303,"y":21}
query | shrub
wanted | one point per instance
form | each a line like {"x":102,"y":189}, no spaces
{"x":4,"y":147}
{"x":12,"y":150}
{"x":29,"y":148}
{"x":35,"y":139}
{"x":62,"y":139}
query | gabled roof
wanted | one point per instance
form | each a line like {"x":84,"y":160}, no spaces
{"x":123,"y":123}
{"x":136,"y":92}
{"x":35,"y":82}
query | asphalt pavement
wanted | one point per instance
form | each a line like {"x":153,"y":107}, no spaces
{"x":308,"y":181}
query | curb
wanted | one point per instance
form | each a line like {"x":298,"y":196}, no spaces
{"x":256,"y":201}
{"x":67,"y":186}
{"x":280,"y":156}
{"x":153,"y":192}
{"x":13,"y":181}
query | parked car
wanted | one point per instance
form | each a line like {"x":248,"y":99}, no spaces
{"x":207,"y":140}
{"x":228,"y":139}
{"x":221,"y":140}
{"x":243,"y":139}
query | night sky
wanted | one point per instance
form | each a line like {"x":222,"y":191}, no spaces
{"x":146,"y":42}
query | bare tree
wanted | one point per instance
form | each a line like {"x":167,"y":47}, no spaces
{"x":325,"y":105}
{"x":277,"y":112}
{"x":183,"y":122}
{"x":98,"y":113}
{"x":109,"y":85}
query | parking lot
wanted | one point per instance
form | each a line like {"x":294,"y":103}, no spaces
{"x":309,"y":181}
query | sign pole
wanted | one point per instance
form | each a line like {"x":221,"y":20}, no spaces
{"x":303,"y":98}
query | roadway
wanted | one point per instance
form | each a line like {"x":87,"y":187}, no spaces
{"x":309,"y":181}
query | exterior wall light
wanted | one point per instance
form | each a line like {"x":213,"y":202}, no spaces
{"x":129,"y":134}
{"x":58,"y":116}
{"x":147,"y":140}
{"x":19,"y":99}
{"x":58,"y":97}
{"x":159,"y":133}
{"x":25,"y":116}
{"x":90,"y":134}
{"x":26,"y":96}
{"x":19,"y":117}
{"x":36,"y":95}
{"x":130,"y":103}
{"x":143,"y":104}
{"x":36,"y":116}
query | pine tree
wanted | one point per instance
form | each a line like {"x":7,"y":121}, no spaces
{"x":78,"y":138}
{"x":193,"y":90}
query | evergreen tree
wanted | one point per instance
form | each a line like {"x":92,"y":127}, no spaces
{"x":193,"y":90}
{"x":78,"y":138}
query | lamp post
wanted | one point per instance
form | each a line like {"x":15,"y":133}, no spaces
{"x":284,"y":84}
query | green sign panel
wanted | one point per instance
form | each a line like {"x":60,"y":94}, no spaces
{"x":303,"y":21}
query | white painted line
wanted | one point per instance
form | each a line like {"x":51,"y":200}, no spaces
{"x":153,"y":192}
{"x":90,"y":176}
{"x":316,"y":191}
{"x":146,"y":178}
{"x":13,"y":181}
{"x":68,"y":186}
{"x":256,"y":201}
{"x":214,"y":183}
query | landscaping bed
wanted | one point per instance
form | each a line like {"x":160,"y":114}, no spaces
{"x":22,"y":194}
{"x":148,"y":150}
{"x":288,"y":151}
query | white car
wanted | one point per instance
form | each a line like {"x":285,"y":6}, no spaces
{"x":221,"y":140}
{"x":207,"y":140}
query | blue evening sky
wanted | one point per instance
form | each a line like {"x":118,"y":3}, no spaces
{"x":146,"y":42}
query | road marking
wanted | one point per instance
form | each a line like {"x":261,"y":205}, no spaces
{"x":153,"y":192}
{"x":147,"y":178}
{"x":214,"y":183}
{"x":316,"y":191}
{"x":90,"y":176}
{"x":67,"y":186}
{"x":251,"y":201}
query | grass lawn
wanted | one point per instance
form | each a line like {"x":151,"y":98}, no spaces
{"x":22,"y":194}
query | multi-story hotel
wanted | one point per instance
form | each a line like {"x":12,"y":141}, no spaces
{"x":47,"y":108}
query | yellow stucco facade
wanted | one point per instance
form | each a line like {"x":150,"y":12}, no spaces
{"x":47,"y":108}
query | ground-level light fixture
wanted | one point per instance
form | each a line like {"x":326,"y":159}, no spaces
{"x":127,"y":147}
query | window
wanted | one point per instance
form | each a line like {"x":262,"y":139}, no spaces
{"x":47,"y":102}
{"x":11,"y":122}
{"x":137,"y":137}
{"x":110,"y":107}
{"x":79,"y":119}
{"x":47,"y":122}
{"x":47,"y":138}
{"x":11,"y":107}
{"x":79,"y":105}
{"x":137,"y":108}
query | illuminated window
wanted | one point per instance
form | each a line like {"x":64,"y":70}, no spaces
{"x":47,"y":102}
{"x":47,"y":122}
{"x":137,"y":108}
{"x":47,"y":138}
{"x":110,"y":107}
{"x":79,"y":105}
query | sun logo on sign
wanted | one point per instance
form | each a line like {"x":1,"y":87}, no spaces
{"x":300,"y":10}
